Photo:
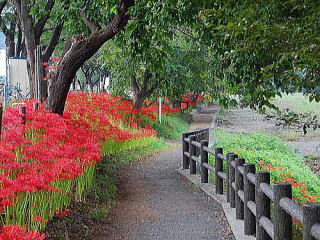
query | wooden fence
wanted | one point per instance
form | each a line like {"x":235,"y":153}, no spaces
{"x":250,"y":192}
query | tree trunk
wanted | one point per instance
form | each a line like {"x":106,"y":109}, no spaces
{"x":139,"y":100}
{"x":80,"y":51}
{"x":10,"y":45}
{"x":19,"y":44}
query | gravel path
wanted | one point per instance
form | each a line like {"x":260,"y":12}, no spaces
{"x":155,"y":202}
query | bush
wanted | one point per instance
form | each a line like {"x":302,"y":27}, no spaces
{"x":274,"y":155}
{"x":171,"y":127}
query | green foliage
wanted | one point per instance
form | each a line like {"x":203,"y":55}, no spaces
{"x":273,"y":151}
{"x":171,"y":127}
{"x":264,"y":48}
{"x":99,"y":214}
{"x":186,"y":117}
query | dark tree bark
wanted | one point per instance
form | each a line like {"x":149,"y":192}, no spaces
{"x":32,"y":34}
{"x":10,"y":44}
{"x":19,"y":43}
{"x":26,"y":22}
{"x":9,"y":32}
{"x":143,"y":92}
{"x":80,"y":51}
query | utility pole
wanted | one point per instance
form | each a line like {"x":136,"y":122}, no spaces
{"x":160,"y":110}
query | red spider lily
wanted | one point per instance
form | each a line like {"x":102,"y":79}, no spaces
{"x":12,"y":232}
{"x":56,"y":59}
{"x":50,"y":149}
{"x":38,"y":219}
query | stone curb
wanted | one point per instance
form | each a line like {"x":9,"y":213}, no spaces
{"x":235,"y":224}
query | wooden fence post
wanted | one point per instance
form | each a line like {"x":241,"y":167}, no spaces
{"x":22,"y":112}
{"x":239,"y":186}
{"x":218,"y":168}
{"x":228,"y":176}
{"x":193,"y":152}
{"x":185,"y":148}
{"x":311,"y":215}
{"x":232,"y":178}
{"x":249,"y":195}
{"x":35,"y":106}
{"x":262,"y":205}
{"x":282,"y":220}
{"x":204,"y":159}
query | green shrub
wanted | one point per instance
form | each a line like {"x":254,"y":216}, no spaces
{"x":282,"y":160}
{"x":171,"y":127}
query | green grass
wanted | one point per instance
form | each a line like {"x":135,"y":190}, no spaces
{"x":256,"y":147}
{"x":298,"y":103}
{"x":171,"y":127}
{"x":99,"y":214}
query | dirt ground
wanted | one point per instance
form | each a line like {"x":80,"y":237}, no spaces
{"x":248,"y":121}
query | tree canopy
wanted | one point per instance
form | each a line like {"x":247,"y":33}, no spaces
{"x":249,"y":51}
{"x":264,"y":48}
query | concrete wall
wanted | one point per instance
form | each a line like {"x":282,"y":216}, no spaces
{"x":18,"y":74}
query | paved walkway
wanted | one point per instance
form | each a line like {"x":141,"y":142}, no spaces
{"x":155,"y":202}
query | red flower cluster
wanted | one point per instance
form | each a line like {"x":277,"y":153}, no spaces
{"x":12,"y":232}
{"x":190,"y":99}
{"x":50,"y":159}
{"x":300,"y":188}
{"x":43,"y":161}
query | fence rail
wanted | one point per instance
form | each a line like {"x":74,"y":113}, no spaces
{"x":250,"y":192}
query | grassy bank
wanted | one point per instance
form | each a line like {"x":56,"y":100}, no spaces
{"x":172,"y":127}
{"x":274,"y":155}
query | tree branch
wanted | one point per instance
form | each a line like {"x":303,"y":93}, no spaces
{"x":146,"y":78}
{"x":134,"y":85}
{"x":92,"y":25}
{"x":38,"y":28}
{"x":53,"y":42}
{"x":153,"y":88}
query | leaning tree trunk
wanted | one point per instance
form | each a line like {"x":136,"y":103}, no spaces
{"x":80,"y":51}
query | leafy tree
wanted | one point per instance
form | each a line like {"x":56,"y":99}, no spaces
{"x":9,"y":25}
{"x":176,"y":65}
{"x":105,"y":19}
{"x":33,"y":18}
{"x":264,"y":48}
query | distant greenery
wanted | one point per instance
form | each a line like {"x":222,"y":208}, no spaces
{"x":274,"y":155}
{"x":298,"y":103}
{"x":171,"y":127}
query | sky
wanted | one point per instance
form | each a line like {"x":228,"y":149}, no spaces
{"x":2,"y":62}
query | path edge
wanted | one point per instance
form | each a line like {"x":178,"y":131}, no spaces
{"x":209,"y":189}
